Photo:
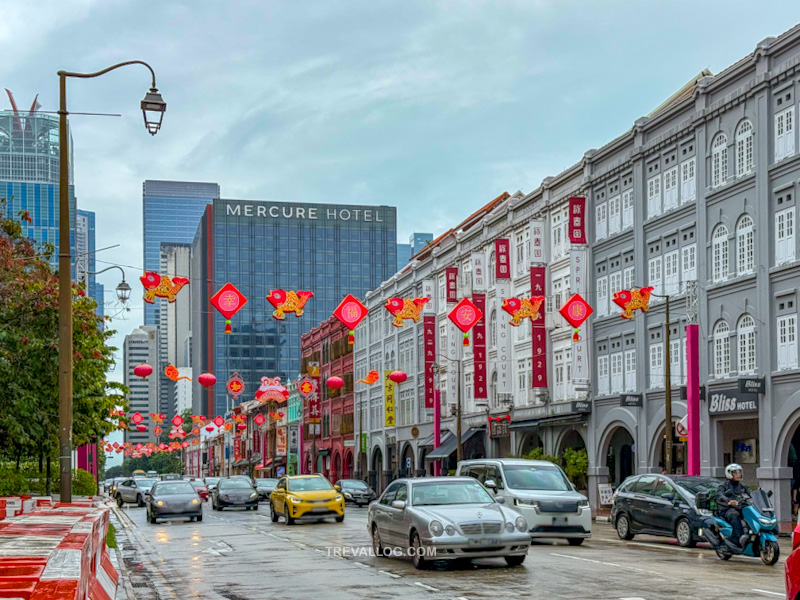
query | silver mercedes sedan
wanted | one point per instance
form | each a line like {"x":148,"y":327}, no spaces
{"x":445,"y":518}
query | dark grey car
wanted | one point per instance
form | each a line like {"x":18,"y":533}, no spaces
{"x":173,"y":499}
{"x":234,"y":492}
{"x":356,"y":491}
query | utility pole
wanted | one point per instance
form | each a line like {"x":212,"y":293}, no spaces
{"x":459,"y":448}
{"x":668,"y":398}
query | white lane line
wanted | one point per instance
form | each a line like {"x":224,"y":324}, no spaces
{"x":426,"y":587}
{"x":392,"y":575}
{"x":652,"y":546}
{"x":768,"y":593}
{"x":461,"y":598}
{"x":633,"y":598}
{"x":362,"y":565}
{"x":605,"y":564}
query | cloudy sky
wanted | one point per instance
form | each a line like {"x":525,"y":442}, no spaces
{"x":435,"y":107}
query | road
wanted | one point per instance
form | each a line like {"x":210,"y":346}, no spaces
{"x":239,"y":555}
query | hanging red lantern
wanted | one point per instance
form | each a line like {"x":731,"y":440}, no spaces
{"x":177,"y":420}
{"x":398,"y":376}
{"x":335,"y":382}
{"x":228,"y":301}
{"x":259,"y":419}
{"x":241,"y":427}
{"x":206,"y":379}
{"x":209,"y":428}
{"x":143,"y":371}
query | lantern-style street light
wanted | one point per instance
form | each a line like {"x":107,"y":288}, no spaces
{"x":123,"y":289}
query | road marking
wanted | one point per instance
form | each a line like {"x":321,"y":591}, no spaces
{"x":605,"y":564}
{"x":426,"y":587}
{"x":392,"y":575}
{"x":362,"y":565}
{"x":768,"y":593}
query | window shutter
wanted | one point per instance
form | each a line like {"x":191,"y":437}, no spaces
{"x":788,"y":132}
{"x":630,"y":370}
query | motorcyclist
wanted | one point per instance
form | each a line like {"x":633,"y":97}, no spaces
{"x":731,"y":496}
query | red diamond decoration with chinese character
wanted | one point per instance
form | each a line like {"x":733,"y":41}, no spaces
{"x":137,"y":418}
{"x":350,"y":312}
{"x":576,"y":310}
{"x":465,"y":315}
{"x":228,"y":300}
{"x":259,"y":419}
{"x":177,"y":420}
{"x":219,"y":421}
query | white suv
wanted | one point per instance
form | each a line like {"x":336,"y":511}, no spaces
{"x":538,"y":490}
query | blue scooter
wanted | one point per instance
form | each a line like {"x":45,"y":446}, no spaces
{"x":760,"y":525}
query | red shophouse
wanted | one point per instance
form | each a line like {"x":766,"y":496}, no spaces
{"x":330,"y":451}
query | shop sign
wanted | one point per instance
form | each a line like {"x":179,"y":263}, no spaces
{"x":388,"y":400}
{"x":280,"y":441}
{"x":582,"y":406}
{"x":451,"y":277}
{"x":744,"y":451}
{"x":294,"y":438}
{"x":498,"y":428}
{"x":731,"y":402}
{"x":349,"y":443}
{"x":630,"y":400}
{"x":752,"y":385}
{"x":577,"y":221}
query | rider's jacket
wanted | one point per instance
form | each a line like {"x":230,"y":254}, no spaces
{"x":731,"y":490}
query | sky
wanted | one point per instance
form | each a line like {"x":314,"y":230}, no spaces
{"x":433,"y":106}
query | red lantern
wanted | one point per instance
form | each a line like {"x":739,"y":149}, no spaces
{"x":398,"y":376}
{"x":157,"y":430}
{"x":241,"y":426}
{"x":137,"y":418}
{"x":141,"y":427}
{"x":335,"y":382}
{"x":228,"y":301}
{"x":177,"y":420}
{"x":259,"y":419}
{"x":143,"y":371}
{"x":219,"y":421}
{"x":206,"y":379}
{"x":209,"y":428}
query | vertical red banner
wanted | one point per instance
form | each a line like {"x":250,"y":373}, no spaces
{"x":451,"y":275}
{"x":479,"y":348}
{"x":502,"y":259}
{"x":539,"y":333}
{"x":429,"y":343}
{"x":577,"y":220}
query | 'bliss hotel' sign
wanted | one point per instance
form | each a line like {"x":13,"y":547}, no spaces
{"x":312,"y":213}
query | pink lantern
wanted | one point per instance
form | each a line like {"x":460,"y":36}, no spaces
{"x":335,"y":382}
{"x":141,"y":427}
{"x":398,"y":376}
{"x":143,"y":371}
{"x":206,"y":379}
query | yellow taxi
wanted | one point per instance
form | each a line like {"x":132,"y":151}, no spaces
{"x":305,"y":497}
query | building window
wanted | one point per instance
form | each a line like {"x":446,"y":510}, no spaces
{"x":493,"y":328}
{"x":784,"y":236}
{"x":746,"y":334}
{"x":614,"y":285}
{"x":722,"y":349}
{"x":653,"y":197}
{"x":629,"y":278}
{"x":689,"y":260}
{"x":656,"y":365}
{"x":654,"y":275}
{"x":719,"y":160}
{"x":492,"y":270}
{"x":522,"y":246}
{"x":557,"y":235}
{"x":630,"y":370}
{"x":675,"y":362}
{"x":616,"y":373}
{"x":671,"y":189}
{"x":787,"y":342}
{"x":601,"y":222}
{"x":719,"y":251}
{"x":745,"y":256}
{"x":671,"y":279}
{"x":688,"y":186}
{"x":784,"y":134}
{"x":614,"y":211}
{"x":602,"y":296}
{"x":602,"y":375}
{"x":744,"y":149}
{"x":627,"y":209}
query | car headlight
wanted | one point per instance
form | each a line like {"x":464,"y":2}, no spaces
{"x":195,"y":501}
{"x":295,"y":500}
{"x":764,"y":521}
{"x":160,"y":503}
{"x":254,"y":495}
{"x":521,"y":524}
{"x":704,"y":512}
{"x":527,"y":503}
{"x":583,"y":504}
{"x":337,"y":498}
{"x":348,"y":495}
{"x":450,"y":530}
{"x":436,"y":528}
{"x":509,"y":526}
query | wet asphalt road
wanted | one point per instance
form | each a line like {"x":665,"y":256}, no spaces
{"x":240,"y":555}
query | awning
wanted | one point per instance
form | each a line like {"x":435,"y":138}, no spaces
{"x":448,"y":445}
{"x":428,"y":441}
{"x":323,"y":452}
{"x":264,"y":465}
{"x":239,"y":463}
{"x":549,"y":421}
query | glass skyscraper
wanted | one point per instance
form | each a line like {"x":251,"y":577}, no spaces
{"x":85,"y":264}
{"x":329,"y":249}
{"x":171,"y":212}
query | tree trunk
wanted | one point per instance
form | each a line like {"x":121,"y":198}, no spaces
{"x":19,"y":457}
{"x":47,"y":481}
{"x":41,"y":460}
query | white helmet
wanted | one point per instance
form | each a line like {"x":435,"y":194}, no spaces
{"x":731,"y":468}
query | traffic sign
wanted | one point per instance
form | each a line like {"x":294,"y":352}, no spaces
{"x":682,"y":427}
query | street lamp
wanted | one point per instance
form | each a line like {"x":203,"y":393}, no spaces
{"x":153,"y":106}
{"x":123,"y":289}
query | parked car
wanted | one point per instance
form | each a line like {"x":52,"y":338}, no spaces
{"x":152,"y":474}
{"x":792,"y":567}
{"x":234,"y":492}
{"x":265,"y":485}
{"x":539,"y":491}
{"x":173,"y":499}
{"x":133,"y":490}
{"x":356,"y":491}
{"x":305,"y":497}
{"x":661,"y":505}
{"x":446,"y":518}
{"x":200,"y":487}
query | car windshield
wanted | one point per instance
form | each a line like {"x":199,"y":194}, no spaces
{"x":309,"y":484}
{"x":536,"y":477}
{"x":146,"y":483}
{"x":354,"y":484}
{"x":457,"y":492}
{"x":212,"y":480}
{"x":266,"y":482}
{"x":197,"y":483}
{"x":698,"y":485}
{"x":234,"y":484}
{"x":172,"y":488}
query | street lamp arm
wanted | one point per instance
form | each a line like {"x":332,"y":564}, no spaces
{"x":107,"y":269}
{"x":111,"y":68}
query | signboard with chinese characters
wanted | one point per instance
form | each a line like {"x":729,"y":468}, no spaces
{"x":294,"y":439}
{"x":314,"y":412}
{"x":388,"y":400}
{"x":451,"y":278}
{"x":539,"y":332}
{"x":505,"y":383}
{"x":479,"y":272}
{"x":280,"y":441}
{"x":479,"y":348}
{"x":429,"y":292}
{"x":502,"y":258}
{"x":454,"y":346}
{"x":577,"y":220}
{"x":429,"y":345}
{"x":237,"y":449}
{"x":731,"y":402}
{"x":498,"y":428}
{"x":538,"y":256}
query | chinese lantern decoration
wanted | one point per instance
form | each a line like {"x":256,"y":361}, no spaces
{"x":206,"y":379}
{"x":523,"y":308}
{"x":371,"y":378}
{"x":141,"y":427}
{"x":259,"y":419}
{"x":576,"y":310}
{"x":195,"y":442}
{"x":276,"y":416}
{"x":143,"y":371}
{"x":177,"y":420}
{"x":219,"y":421}
{"x":172,"y":374}
{"x":334,"y":382}
{"x":307,"y":387}
{"x":288,"y":302}
{"x":228,"y":426}
{"x":465,"y":315}
{"x":185,"y":445}
{"x":632,"y":300}
{"x":199,"y":419}
{"x":157,"y":418}
{"x":350,"y":313}
{"x":161,"y":286}
{"x":241,"y":426}
{"x":235,"y":386}
{"x":398,"y":376}
{"x":209,"y":428}
{"x":271,"y":389}
{"x":157,"y":430}
{"x":228,"y":301}
{"x":405,"y":308}
{"x":195,"y":431}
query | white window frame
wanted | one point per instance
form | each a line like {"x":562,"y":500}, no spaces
{"x":627,"y":209}
{"x":614,"y":213}
{"x":672,"y":283}
{"x":689,"y":262}
{"x":744,"y":149}
{"x":786,"y":326}
{"x":784,"y":134}
{"x":657,"y":365}
{"x":746,"y":344}
{"x":675,"y":371}
{"x":602,"y":296}
{"x":630,"y":370}
{"x":719,"y":160}
{"x":670,"y":189}
{"x":616,"y":373}
{"x":655,"y":275}
{"x":654,"y":196}
{"x":745,"y":245}
{"x":557,"y":233}
{"x":722,"y":350}
{"x":688,"y":181}
{"x":784,"y":236}
{"x":629,"y":278}
{"x":719,"y":254}
{"x":614,"y":285}
{"x":601,"y":221}
{"x":602,"y":375}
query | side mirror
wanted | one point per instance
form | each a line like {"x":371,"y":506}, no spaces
{"x":338,"y":488}
{"x":669,"y":498}
{"x":398,"y":504}
{"x":490,"y":483}
{"x":500,"y":500}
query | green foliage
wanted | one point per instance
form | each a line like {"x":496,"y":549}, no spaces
{"x":111,"y":536}
{"x":538,"y":454}
{"x":163,"y":462}
{"x":576,"y":466}
{"x":114,"y":472}
{"x":188,"y":424}
{"x":12,"y":483}
{"x":83,"y":483}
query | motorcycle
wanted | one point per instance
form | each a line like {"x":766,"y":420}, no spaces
{"x":760,"y":526}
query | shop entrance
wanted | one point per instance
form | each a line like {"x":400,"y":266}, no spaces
{"x":678,"y":451}
{"x":620,"y":458}
{"x":740,"y":445}
{"x":529,"y":442}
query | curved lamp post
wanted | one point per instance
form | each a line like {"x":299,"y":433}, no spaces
{"x":123,"y":289}
{"x":153,"y":108}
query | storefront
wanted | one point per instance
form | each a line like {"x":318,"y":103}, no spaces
{"x":734,"y":431}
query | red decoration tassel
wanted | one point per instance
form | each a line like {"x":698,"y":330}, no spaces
{"x":466,"y":340}
{"x":227,"y":326}
{"x":576,"y":337}
{"x":351,"y":339}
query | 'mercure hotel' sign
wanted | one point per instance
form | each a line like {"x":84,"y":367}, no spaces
{"x":313,"y":213}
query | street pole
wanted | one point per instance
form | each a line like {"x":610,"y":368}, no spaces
{"x":668,"y":400}
{"x":692,"y":381}
{"x":360,"y":437}
{"x":459,"y":449}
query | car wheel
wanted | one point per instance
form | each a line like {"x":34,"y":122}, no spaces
{"x":515,"y":561}
{"x":340,"y":519}
{"x":574,"y":541}
{"x":272,"y":514}
{"x":140,"y":501}
{"x":683,"y":533}
{"x":416,"y":552}
{"x":255,"y":507}
{"x":624,"y":528}
{"x":119,"y":501}
{"x":199,"y":518}
{"x":377,"y":547}
{"x":289,"y":520}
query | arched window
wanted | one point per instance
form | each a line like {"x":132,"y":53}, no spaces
{"x":492,"y":268}
{"x":744,"y":148}
{"x":746,"y":341}
{"x":719,"y":252}
{"x":719,"y":160}
{"x":493,"y":329}
{"x":745,"y":255}
{"x":493,"y":391}
{"x":722,"y":349}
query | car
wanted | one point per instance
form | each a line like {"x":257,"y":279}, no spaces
{"x":539,"y":491}
{"x":173,"y":499}
{"x":245,"y":477}
{"x":791,"y":569}
{"x":112,"y":490}
{"x":662,"y":505}
{"x":305,"y":497}
{"x":133,"y":490}
{"x":265,"y":485}
{"x":211,"y":482}
{"x":446,"y":518}
{"x":356,"y":491}
{"x":170,"y":477}
{"x":200,"y":487}
{"x":152,"y":474}
{"x":234,"y":492}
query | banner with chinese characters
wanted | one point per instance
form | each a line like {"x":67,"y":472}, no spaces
{"x":505,"y":382}
{"x":478,"y":272}
{"x":454,"y":345}
{"x":237,"y":449}
{"x":388,"y":400}
{"x":578,"y":275}
{"x":294,"y":439}
{"x":429,"y":343}
{"x":539,"y":332}
{"x":451,"y":277}
{"x":280,"y":441}
{"x":479,"y":348}
{"x":577,"y":220}
{"x":538,"y":256}
{"x":429,"y":292}
{"x":502,"y":257}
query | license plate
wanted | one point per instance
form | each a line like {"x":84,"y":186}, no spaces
{"x":560,"y":521}
{"x":485,"y":542}
{"x":320,"y":509}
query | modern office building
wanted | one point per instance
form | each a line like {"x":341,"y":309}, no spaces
{"x":416,"y":242}
{"x":329,"y":249}
{"x":171,"y":212}
{"x":141,"y":347}
{"x":403,"y":255}
{"x":85,"y":263}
